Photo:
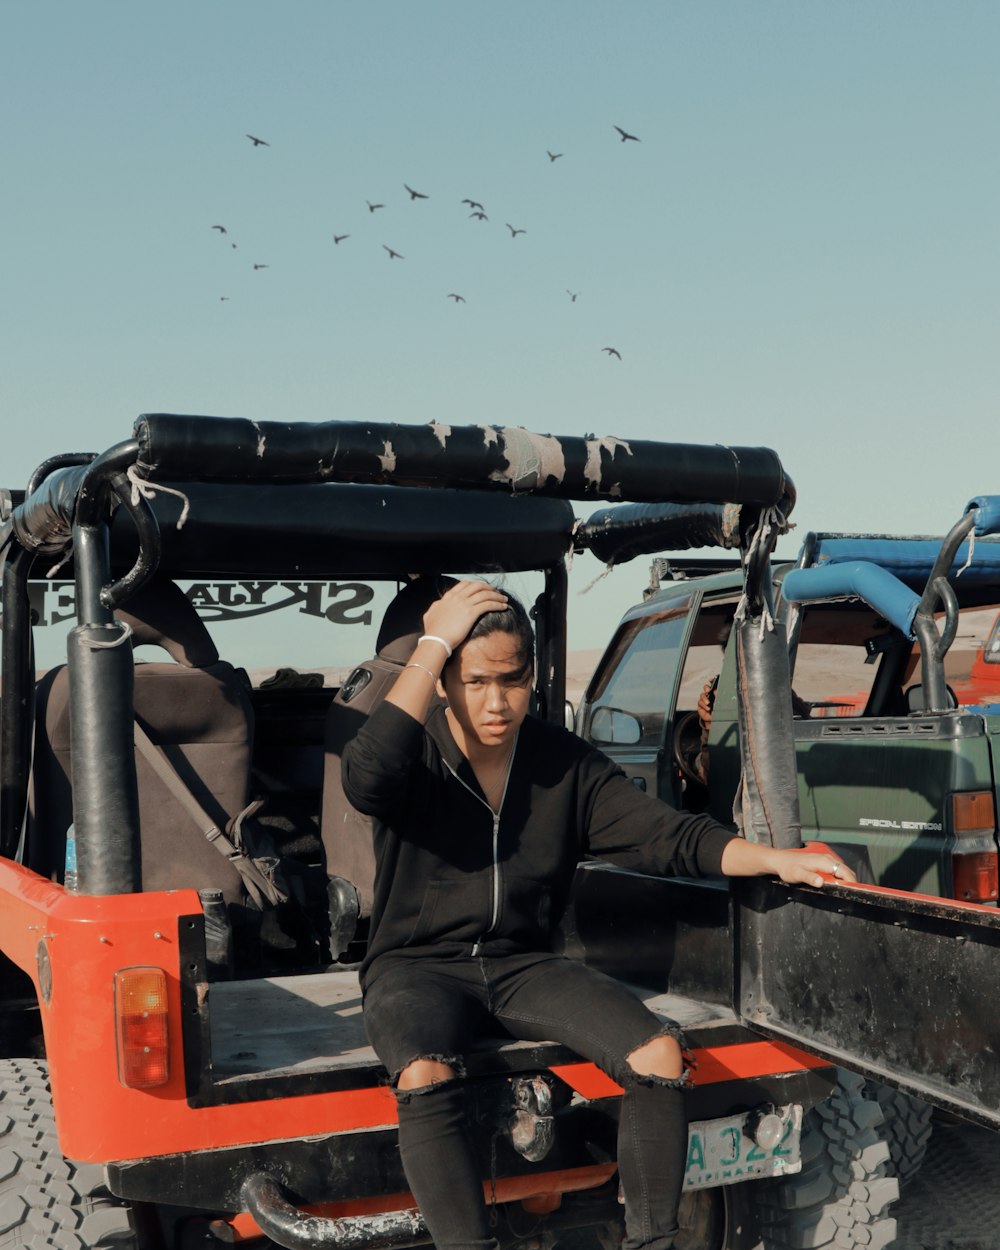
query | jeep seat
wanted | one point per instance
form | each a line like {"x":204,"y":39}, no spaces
{"x":346,"y":833}
{"x":197,"y":709}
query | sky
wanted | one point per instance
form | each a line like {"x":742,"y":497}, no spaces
{"x":799,"y":249}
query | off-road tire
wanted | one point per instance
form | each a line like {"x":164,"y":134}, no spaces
{"x":45,"y":1200}
{"x":842,"y":1196}
{"x":909,"y":1122}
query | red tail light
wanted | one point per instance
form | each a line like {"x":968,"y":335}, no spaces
{"x":141,"y":1017}
{"x":975,"y":877}
{"x":975,"y":871}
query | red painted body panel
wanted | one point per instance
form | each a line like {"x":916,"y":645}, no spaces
{"x":89,"y":938}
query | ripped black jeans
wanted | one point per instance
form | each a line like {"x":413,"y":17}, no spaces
{"x":422,"y":1008}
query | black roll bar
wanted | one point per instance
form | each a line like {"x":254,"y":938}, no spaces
{"x":17,"y":704}
{"x":550,"y":634}
{"x":99,"y":661}
{"x":17,"y":708}
{"x":934,"y":645}
{"x":175,"y":448}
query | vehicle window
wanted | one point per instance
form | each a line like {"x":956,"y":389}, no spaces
{"x":837,"y":659}
{"x":324,"y":627}
{"x":842,"y":648}
{"x":631,"y":694}
{"x":991,"y":651}
{"x":706,"y":650}
{"x":972,"y":665}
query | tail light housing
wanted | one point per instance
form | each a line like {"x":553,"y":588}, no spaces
{"x":975,"y":871}
{"x":142,"y":1027}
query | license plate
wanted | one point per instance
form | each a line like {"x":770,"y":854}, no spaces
{"x":722,"y":1152}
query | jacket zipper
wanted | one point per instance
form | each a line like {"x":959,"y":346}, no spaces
{"x":495,"y":908}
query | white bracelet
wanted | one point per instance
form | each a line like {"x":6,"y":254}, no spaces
{"x":423,"y":668}
{"x":435,"y":638}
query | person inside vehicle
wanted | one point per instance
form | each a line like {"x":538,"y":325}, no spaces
{"x":706,"y":706}
{"x":482,"y":814}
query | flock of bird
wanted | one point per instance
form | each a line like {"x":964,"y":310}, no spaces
{"x":477,"y":212}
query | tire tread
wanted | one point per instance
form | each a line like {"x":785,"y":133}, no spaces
{"x":46,"y":1200}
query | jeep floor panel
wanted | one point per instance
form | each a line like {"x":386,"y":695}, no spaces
{"x":295,"y":1025}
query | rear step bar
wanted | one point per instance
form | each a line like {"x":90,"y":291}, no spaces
{"x":278,"y":1218}
{"x":286,"y":1225}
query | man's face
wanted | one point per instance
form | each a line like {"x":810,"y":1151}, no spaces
{"x":487,"y":689}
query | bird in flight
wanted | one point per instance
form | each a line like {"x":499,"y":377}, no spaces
{"x":223,"y":298}
{"x":415,"y":195}
{"x":612,"y":351}
{"x":339,"y":238}
{"x":258,"y":143}
{"x":221,"y":229}
{"x":625,"y":135}
{"x":572,"y":295}
{"x":479,"y":215}
{"x":514,"y":233}
{"x":262,"y":266}
{"x":553,"y":156}
{"x":459,"y":299}
{"x":372,"y":207}
{"x":474,"y":204}
{"x":393,"y":255}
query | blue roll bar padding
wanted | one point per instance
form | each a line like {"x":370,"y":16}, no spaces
{"x":861,"y":579}
{"x":911,"y":559}
{"x":987,"y":510}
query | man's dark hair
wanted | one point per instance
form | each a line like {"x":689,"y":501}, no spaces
{"x":513,"y":620}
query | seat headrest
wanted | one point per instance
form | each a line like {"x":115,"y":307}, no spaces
{"x":403,"y":622}
{"x":161,"y":615}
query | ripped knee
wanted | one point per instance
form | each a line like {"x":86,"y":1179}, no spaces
{"x":662,"y":1060}
{"x":426,"y":1072}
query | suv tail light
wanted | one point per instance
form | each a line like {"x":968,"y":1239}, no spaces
{"x":141,"y":1019}
{"x":974,"y":877}
{"x":974,"y":866}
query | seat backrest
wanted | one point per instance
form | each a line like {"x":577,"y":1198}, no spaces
{"x":347,"y":833}
{"x":197,"y":709}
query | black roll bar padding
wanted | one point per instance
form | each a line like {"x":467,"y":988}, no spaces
{"x":758,"y":584}
{"x":43,"y":522}
{"x":619,"y":533}
{"x":767,"y":803}
{"x":66,"y":460}
{"x":65,"y":491}
{"x":105,"y":794}
{"x":934,"y":646}
{"x":623,"y":531}
{"x":17,"y":707}
{"x":481,"y":457}
{"x":295,"y":1229}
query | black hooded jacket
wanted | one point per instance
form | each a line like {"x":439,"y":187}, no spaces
{"x":451,"y":878}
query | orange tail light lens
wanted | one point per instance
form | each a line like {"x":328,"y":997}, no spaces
{"x":973,"y":812}
{"x":975,"y":875}
{"x":142,"y":1028}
